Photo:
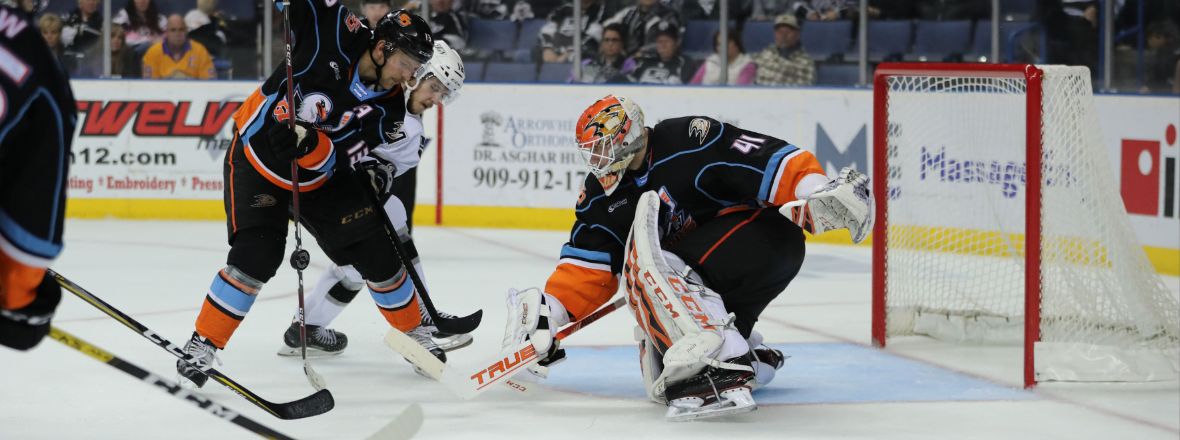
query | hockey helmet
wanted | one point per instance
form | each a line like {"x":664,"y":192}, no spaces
{"x":401,"y":30}
{"x":609,"y":134}
{"x":447,"y":66}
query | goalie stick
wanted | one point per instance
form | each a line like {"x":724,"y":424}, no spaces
{"x":468,"y":382}
{"x":318,"y":403}
{"x":163,"y":384}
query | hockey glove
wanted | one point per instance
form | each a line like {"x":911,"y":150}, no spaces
{"x":842,"y":203}
{"x":287,"y":145}
{"x":380,"y":175}
{"x":23,"y":328}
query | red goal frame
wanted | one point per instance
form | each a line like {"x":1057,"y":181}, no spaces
{"x":1033,"y":117}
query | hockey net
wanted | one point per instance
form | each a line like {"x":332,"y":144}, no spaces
{"x":999,"y":221}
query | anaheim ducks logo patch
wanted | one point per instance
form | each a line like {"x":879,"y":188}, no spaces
{"x":699,"y":128}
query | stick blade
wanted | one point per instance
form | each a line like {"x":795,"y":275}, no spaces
{"x":317,"y":381}
{"x":402,"y":427}
{"x":318,"y":403}
{"x":464,"y":324}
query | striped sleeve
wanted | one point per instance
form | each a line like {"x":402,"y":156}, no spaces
{"x":790,"y":174}
{"x":583,"y":280}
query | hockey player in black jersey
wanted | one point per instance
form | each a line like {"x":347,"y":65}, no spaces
{"x":37,"y":116}
{"x":347,"y":86}
{"x":701,"y":219}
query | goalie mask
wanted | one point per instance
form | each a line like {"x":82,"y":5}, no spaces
{"x":609,"y":134}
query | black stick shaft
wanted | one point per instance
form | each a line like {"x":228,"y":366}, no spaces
{"x":164,"y":385}
{"x":318,"y":403}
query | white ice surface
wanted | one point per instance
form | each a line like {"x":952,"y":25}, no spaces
{"x":159,"y":272}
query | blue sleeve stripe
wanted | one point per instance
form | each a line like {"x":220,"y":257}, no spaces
{"x":697,"y":181}
{"x":395,"y":298}
{"x":702,"y":147}
{"x":27,"y":241}
{"x":582,"y":254}
{"x":768,"y":175}
{"x":339,"y":18}
{"x":229,"y":297}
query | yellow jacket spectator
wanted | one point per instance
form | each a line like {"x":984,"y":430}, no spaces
{"x":176,"y":56}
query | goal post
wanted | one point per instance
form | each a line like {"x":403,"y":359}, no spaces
{"x":999,"y":220}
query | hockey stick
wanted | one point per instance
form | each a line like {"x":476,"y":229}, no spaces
{"x":299,"y":257}
{"x":318,"y":403}
{"x":469,"y":382}
{"x":163,"y":384}
{"x":456,"y":325}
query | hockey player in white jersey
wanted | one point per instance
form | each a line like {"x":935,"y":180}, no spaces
{"x":441,"y":81}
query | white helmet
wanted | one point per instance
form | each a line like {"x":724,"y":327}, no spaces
{"x":447,"y":66}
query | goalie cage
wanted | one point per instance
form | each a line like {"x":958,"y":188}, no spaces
{"x":970,"y":245}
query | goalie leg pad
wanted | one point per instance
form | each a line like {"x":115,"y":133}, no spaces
{"x":686,"y":322}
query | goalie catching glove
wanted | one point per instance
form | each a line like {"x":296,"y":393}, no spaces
{"x":535,"y":316}
{"x":842,"y":203}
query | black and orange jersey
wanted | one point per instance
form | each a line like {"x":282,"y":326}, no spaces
{"x":37,"y":117}
{"x":329,"y":41}
{"x":700,"y":168}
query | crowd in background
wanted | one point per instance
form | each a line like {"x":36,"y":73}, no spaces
{"x":622,"y":41}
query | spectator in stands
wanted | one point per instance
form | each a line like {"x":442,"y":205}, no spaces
{"x":176,"y":56}
{"x":892,"y":10}
{"x":447,"y":24}
{"x":742,"y":69}
{"x":83,"y":27}
{"x":125,"y":63}
{"x":667,"y":65}
{"x":1071,"y":27}
{"x":784,"y":62}
{"x":953,"y":9}
{"x":611,"y":63}
{"x":638,"y":22}
{"x":206,"y":26}
{"x":142,"y":22}
{"x":739,"y":10}
{"x":556,"y":38}
{"x":51,"y":25}
{"x":825,"y":10}
{"x":373,"y":10}
{"x":490,"y":9}
{"x":1163,"y":54}
{"x":764,"y":10}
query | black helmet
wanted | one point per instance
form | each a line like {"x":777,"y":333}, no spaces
{"x":408,"y":32}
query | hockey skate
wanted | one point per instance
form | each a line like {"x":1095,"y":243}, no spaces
{"x":447,"y":341}
{"x":715,"y":392}
{"x":321,"y":341}
{"x":422,"y":335}
{"x":203,"y":353}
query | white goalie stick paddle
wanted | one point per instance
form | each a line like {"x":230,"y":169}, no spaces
{"x":402,"y":427}
{"x":470,"y":381}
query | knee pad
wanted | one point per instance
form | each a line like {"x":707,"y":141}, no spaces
{"x":257,"y":252}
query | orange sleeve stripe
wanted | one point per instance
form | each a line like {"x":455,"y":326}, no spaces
{"x":794,"y":169}
{"x":581,"y":290}
{"x":278,"y":181}
{"x":18,"y":282}
{"x":317,"y":157}
{"x":250,"y":107}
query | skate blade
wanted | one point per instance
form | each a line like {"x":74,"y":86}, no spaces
{"x":454,"y":342}
{"x":311,"y":352}
{"x":734,"y":402}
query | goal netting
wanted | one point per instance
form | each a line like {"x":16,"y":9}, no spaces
{"x":963,"y":215}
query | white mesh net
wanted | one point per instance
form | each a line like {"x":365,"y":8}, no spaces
{"x":956,"y":236}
